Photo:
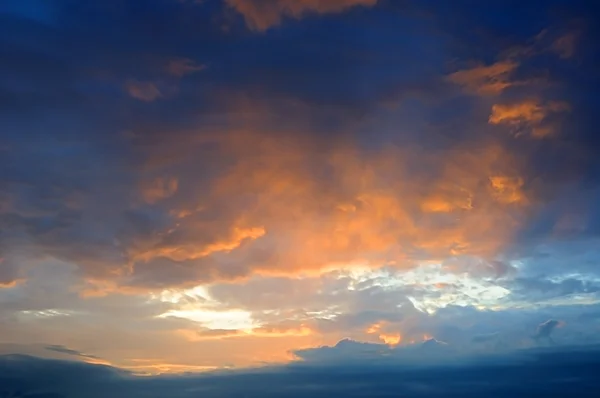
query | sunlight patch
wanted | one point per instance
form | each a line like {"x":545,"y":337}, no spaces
{"x":224,"y":320}
{"x":49,"y":313}
{"x":196,"y":305}
{"x":430,"y":286}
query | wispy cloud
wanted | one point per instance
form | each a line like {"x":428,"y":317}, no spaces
{"x":487,"y":79}
{"x":65,"y":350}
{"x":180,"y":67}
{"x":566,"y":45}
{"x":260,"y":15}
{"x":143,"y":90}
{"x":530,"y":116}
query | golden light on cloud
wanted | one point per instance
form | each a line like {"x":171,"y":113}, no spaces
{"x":8,"y":278}
{"x":193,"y":250}
{"x":277,"y":217}
{"x":449,"y":201}
{"x":143,"y":91}
{"x":375,"y":328}
{"x":421,"y":338}
{"x":261,"y":331}
{"x":97,"y":361}
{"x":389,"y":338}
{"x":11,"y":284}
{"x":218,"y":320}
{"x":529,"y":111}
{"x":486,"y":79}
{"x":150,"y":367}
{"x":158,"y":189}
{"x":261,"y":15}
{"x":528,"y":116}
{"x":508,"y":189}
{"x":181,"y":67}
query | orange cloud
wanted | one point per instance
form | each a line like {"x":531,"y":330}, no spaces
{"x":529,"y":115}
{"x":160,"y":188}
{"x":285,"y":204}
{"x":565,"y":45}
{"x":143,"y":91}
{"x":389,"y":338}
{"x":261,"y":15}
{"x":508,"y":189}
{"x":486,"y":79}
{"x":120,"y":344}
{"x":194,"y":335}
{"x":271,"y":212}
{"x":448,"y":200}
{"x":150,"y":367}
{"x":8,"y":274}
{"x":11,"y":284}
{"x":190,"y":251}
{"x":180,"y":67}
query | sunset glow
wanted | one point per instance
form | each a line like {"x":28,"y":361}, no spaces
{"x":255,"y":188}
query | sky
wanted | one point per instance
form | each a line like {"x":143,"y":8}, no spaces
{"x":253,"y":189}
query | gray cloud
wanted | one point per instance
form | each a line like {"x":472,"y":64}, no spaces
{"x":540,"y":288}
{"x":545,"y":329}
{"x":65,"y":350}
{"x":484,"y":338}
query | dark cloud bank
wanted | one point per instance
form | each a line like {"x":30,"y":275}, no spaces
{"x":541,"y":372}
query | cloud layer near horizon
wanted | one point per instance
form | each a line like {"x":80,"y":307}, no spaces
{"x":556,"y":372}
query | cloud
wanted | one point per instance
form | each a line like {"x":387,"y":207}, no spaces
{"x":565,"y":45}
{"x":530,"y":116}
{"x":25,"y":375}
{"x":484,"y":338}
{"x":261,"y":15}
{"x":539,"y":288}
{"x":112,"y":324}
{"x":65,"y":350}
{"x":272,"y":211}
{"x":9,"y":273}
{"x":479,"y":268}
{"x":486,"y":79}
{"x":320,"y":380}
{"x":344,"y":350}
{"x":159,"y":188}
{"x":180,"y":67}
{"x":513,"y":67}
{"x":347,"y":351}
{"x":143,"y":91}
{"x":545,"y":329}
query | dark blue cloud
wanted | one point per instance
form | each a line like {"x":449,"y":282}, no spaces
{"x":533,"y":373}
{"x":539,"y":289}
